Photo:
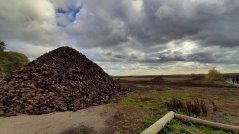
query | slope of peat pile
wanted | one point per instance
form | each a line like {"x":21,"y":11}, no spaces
{"x":60,"y":80}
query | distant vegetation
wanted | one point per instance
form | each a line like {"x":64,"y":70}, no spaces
{"x":2,"y":46}
{"x":214,"y":75}
{"x":10,"y":61}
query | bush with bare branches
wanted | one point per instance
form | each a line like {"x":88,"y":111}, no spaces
{"x":194,"y":108}
{"x":214,"y":75}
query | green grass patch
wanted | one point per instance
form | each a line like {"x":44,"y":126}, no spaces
{"x":144,"y":101}
{"x":151,"y":99}
{"x":139,"y":86}
{"x":175,"y":127}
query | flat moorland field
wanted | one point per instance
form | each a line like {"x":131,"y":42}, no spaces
{"x":147,"y":103}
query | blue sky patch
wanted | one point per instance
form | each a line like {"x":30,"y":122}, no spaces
{"x":61,"y":10}
{"x":68,"y":13}
{"x":73,"y":12}
{"x":60,"y":25}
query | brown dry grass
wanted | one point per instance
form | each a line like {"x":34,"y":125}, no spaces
{"x":146,"y":103}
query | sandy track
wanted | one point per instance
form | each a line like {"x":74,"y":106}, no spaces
{"x":56,"y":123}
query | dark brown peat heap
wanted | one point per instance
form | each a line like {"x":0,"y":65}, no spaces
{"x":60,"y":80}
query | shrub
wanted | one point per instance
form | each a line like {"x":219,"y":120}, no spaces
{"x":214,"y":75}
{"x":195,"y":107}
{"x":175,"y":105}
{"x":204,"y":108}
{"x":2,"y":46}
{"x":214,"y":107}
{"x":11,"y":61}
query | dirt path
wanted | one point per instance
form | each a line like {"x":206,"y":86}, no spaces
{"x":90,"y":120}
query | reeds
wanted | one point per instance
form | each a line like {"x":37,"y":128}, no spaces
{"x":193,"y":107}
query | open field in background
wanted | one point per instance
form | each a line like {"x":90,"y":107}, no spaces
{"x":146,"y":104}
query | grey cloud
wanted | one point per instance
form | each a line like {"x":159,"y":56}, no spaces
{"x":213,"y":56}
{"x":207,"y":22}
{"x":125,"y":31}
{"x":112,"y":24}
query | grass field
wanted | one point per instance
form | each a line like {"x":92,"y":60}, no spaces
{"x":146,"y":104}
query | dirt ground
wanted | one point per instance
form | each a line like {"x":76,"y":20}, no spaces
{"x":87,"y":121}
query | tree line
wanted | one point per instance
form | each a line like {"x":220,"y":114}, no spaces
{"x":9,"y":60}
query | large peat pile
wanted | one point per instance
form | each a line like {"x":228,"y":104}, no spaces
{"x":60,"y":80}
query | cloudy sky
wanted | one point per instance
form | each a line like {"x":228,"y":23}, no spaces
{"x":129,"y":37}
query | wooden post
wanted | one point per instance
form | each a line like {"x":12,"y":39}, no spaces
{"x":157,"y":126}
{"x":226,"y":127}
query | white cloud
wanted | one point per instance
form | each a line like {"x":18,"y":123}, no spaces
{"x":28,"y":21}
{"x":134,"y":37}
{"x":186,"y":47}
{"x":137,"y":5}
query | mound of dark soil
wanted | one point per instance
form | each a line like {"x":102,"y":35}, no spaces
{"x":157,"y":79}
{"x":60,"y":80}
